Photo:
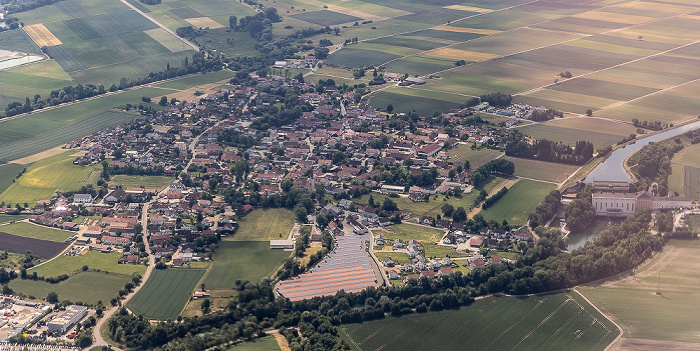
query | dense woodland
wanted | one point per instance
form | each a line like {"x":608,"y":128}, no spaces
{"x":552,"y":151}
{"x":652,"y":163}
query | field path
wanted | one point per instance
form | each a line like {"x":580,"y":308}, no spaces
{"x":506,"y":183}
{"x":619,"y":336}
{"x":189,"y":43}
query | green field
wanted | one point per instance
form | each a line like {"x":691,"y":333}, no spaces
{"x":165,"y":293}
{"x":243,"y":260}
{"x":520,"y":200}
{"x":264,"y":225}
{"x":424,"y":106}
{"x":541,"y":170}
{"x":417,"y":209}
{"x":43,"y":178}
{"x":407,"y":232}
{"x":200,"y":79}
{"x":7,"y":218}
{"x":267,"y":343}
{"x":29,"y":230}
{"x":108,"y":262}
{"x":399,"y":258}
{"x":685,"y":176}
{"x":633,"y":302}
{"x":561,"y":321}
{"x":476,"y":157}
{"x":88,"y":287}
{"x":8,"y":172}
{"x":140,"y":181}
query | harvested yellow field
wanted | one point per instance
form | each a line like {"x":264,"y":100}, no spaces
{"x":468,"y":8}
{"x":42,"y":35}
{"x":614,"y":17}
{"x":204,"y":22}
{"x":457,"y":54}
{"x":655,"y":6}
{"x":693,"y":17}
{"x":467,"y":30}
{"x":166,"y":39}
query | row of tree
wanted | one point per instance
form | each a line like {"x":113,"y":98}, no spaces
{"x":482,"y":174}
{"x":548,"y":150}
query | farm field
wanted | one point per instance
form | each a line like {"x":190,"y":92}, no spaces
{"x":107,"y":262}
{"x":140,"y":181}
{"x":685,"y":176}
{"x":165,"y":293}
{"x":7,"y":218}
{"x":87,"y":287}
{"x":555,"y":132}
{"x":43,"y":178}
{"x":264,"y":225}
{"x":199,"y":79}
{"x":29,"y":230}
{"x":243,"y":260}
{"x":403,"y":102}
{"x":520,"y":200}
{"x":19,"y":244}
{"x":8,"y":172}
{"x":559,"y":321}
{"x":541,"y":170}
{"x":633,"y":302}
{"x":99,"y":42}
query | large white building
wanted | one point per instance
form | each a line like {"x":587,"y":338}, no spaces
{"x":73,"y":314}
{"x":622,"y":204}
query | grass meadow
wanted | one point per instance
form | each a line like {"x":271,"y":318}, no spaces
{"x":107,"y":262}
{"x":165,"y":293}
{"x":264,"y":225}
{"x":633,"y":301}
{"x":8,"y":172}
{"x":685,"y":176}
{"x":140,"y":181}
{"x":518,"y":202}
{"x":476,"y":157}
{"x":43,"y":178}
{"x":557,"y":321}
{"x":541,"y":170}
{"x":243,"y":260}
{"x":87,"y":287}
{"x":407,"y":232}
{"x":29,"y":230}
{"x":266,"y":343}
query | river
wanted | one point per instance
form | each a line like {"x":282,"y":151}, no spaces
{"x":612,"y":168}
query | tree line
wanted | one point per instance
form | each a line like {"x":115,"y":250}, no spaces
{"x":482,"y":174}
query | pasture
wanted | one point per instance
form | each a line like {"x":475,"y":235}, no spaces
{"x":165,"y":293}
{"x":106,"y":262}
{"x":541,"y":170}
{"x":158,"y":182}
{"x":476,"y":157}
{"x":632,"y":300}
{"x":19,"y":244}
{"x":86,"y":287}
{"x":264,"y":225}
{"x":43,"y":178}
{"x":243,"y":260}
{"x":557,"y":321}
{"x":407,"y":232}
{"x":520,"y":200}
{"x":34,"y":231}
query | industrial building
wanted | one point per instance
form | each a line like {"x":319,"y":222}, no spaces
{"x":73,"y":314}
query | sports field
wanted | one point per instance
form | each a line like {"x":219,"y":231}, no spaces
{"x":561,"y":321}
{"x":165,"y":293}
{"x":87,"y":287}
{"x":654,"y":302}
{"x":43,"y":178}
{"x":29,"y":230}
{"x":518,"y":202}
{"x":264,"y":225}
{"x":243,"y":260}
